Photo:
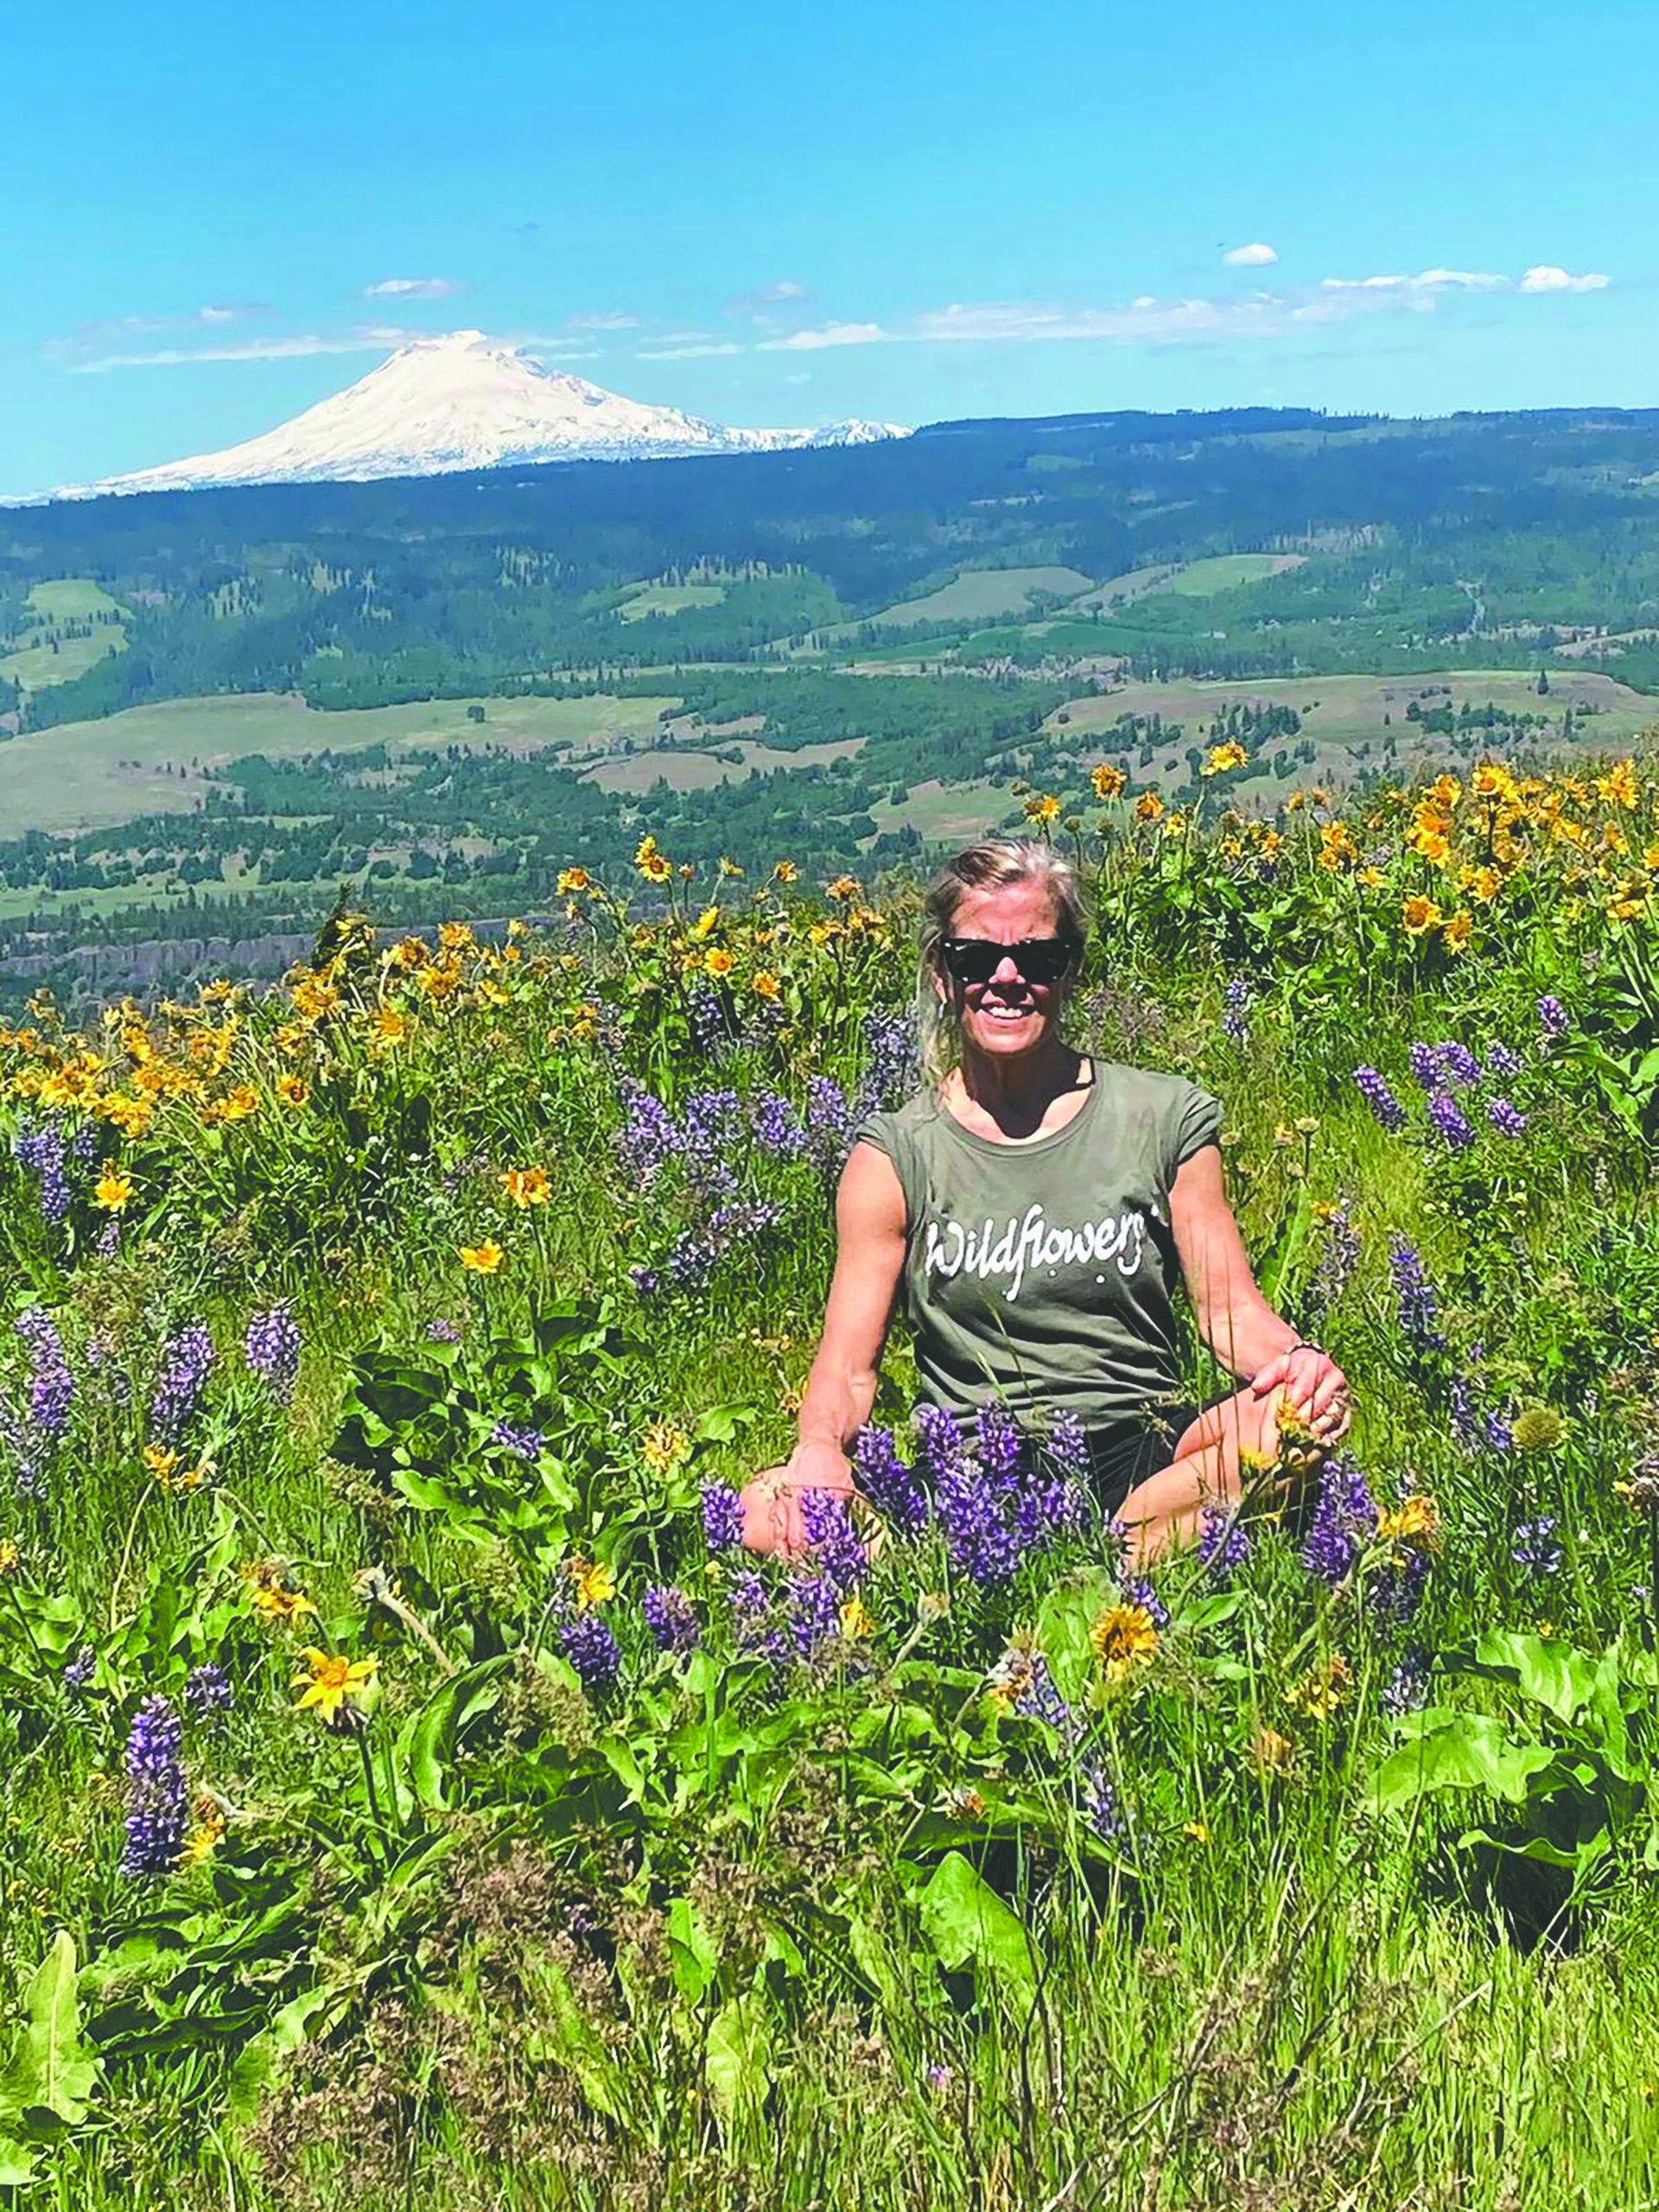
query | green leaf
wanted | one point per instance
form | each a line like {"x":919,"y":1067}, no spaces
{"x":720,"y":1423}
{"x":429,"y":1741}
{"x":738,"y":2055}
{"x":966,"y":1922}
{"x":693,"y":1957}
{"x":1551,"y":1674}
{"x":16,"y":2162}
{"x":49,"y":2069}
{"x":1470,"y":1752}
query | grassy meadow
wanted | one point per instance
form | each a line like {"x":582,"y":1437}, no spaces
{"x":414,"y":1797}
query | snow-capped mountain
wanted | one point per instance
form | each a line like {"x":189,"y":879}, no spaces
{"x":463,"y":402}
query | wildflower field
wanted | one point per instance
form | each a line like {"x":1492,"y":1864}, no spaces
{"x":415,"y":1796}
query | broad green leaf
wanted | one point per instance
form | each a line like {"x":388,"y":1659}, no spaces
{"x":1063,"y":1620}
{"x":16,"y":2162}
{"x":738,"y":2055}
{"x":720,"y":1423}
{"x":428,"y":1742}
{"x":1553,"y":1673}
{"x":48,"y":2069}
{"x":966,"y":1922}
{"x":694,"y":1961}
{"x":1471,"y":1752}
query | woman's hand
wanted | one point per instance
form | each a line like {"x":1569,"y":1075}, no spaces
{"x":1314,"y":1386}
{"x":772,"y":1503}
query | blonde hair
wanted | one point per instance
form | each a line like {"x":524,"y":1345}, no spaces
{"x":992,"y":865}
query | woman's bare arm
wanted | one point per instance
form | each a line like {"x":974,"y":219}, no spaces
{"x":841,"y":1388}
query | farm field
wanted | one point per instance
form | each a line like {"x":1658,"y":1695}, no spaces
{"x":683,"y":769}
{"x":30,"y":658}
{"x":979,"y":592}
{"x":669,"y":599}
{"x":415,"y":1796}
{"x":94,"y":774}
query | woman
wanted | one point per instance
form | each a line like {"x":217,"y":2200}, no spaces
{"x":1036,"y":1207}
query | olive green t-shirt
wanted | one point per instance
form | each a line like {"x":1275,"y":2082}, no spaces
{"x":1044,"y":1272}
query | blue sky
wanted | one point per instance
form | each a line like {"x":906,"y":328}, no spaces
{"x":770,"y":215}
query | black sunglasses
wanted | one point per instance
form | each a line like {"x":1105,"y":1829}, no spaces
{"x":1041,"y":960}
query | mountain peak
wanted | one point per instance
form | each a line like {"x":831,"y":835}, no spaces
{"x":464,"y":400}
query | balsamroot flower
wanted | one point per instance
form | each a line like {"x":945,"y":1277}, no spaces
{"x":333,"y":1688}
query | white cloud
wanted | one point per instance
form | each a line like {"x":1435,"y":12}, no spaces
{"x":1546,"y":278}
{"x":799,"y":376}
{"x":1256,"y":256}
{"x":1430,"y":280}
{"x":693,"y":353}
{"x":832,"y":334}
{"x":775,"y":294}
{"x":252,"y":349}
{"x":611,"y":320}
{"x":411,"y":287}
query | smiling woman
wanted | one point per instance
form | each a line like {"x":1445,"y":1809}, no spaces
{"x":1038,"y":1212}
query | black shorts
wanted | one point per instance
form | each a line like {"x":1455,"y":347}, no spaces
{"x":1129,"y":1451}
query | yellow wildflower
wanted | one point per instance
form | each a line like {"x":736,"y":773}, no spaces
{"x":1418,"y":915}
{"x":1457,"y":931}
{"x":1413,"y":1519}
{"x":526,"y":1186}
{"x":729,"y":867}
{"x":1042,"y":806}
{"x":161,"y":1462}
{"x":856,"y":1619}
{"x":664,"y":1447}
{"x":482,"y":1259}
{"x":1124,"y":1636}
{"x":1148,"y":807}
{"x":10,"y":1557}
{"x":292,"y":1089}
{"x":785,"y":871}
{"x":845,"y":887}
{"x":765,"y":984}
{"x":113,"y":1190}
{"x":653,"y":865}
{"x":705,"y":925}
{"x":595,"y":1583}
{"x":412,"y":953}
{"x":1617,"y":786}
{"x":333,"y":1684}
{"x":203,"y":1840}
{"x":456,"y":937}
{"x":1320,"y":1691}
{"x":1337,"y":848}
{"x":272,"y":1598}
{"x":1108,"y":780}
{"x":1196,"y":1831}
{"x":718,"y":961}
{"x":1270,"y":1753}
{"x":1221,"y":758}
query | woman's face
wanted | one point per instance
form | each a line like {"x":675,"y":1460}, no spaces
{"x":1007,"y":1015}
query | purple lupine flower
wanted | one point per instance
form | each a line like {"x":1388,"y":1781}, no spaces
{"x":1459,"y":1063}
{"x":1535,"y":1547}
{"x":815,"y":1610}
{"x":826,"y":1518}
{"x":774,"y":1127}
{"x":79,"y":1671}
{"x":1425,"y":1065}
{"x":1139,"y":1591}
{"x":1022,"y":1677}
{"x":1418,"y":1304}
{"x":1223,"y":1542}
{"x":830,"y":1125}
{"x":883,"y":1478}
{"x":747,"y":1595}
{"x":1049,"y":1505}
{"x":999,"y":1444}
{"x":1501,"y":1061}
{"x":1506,"y":1119}
{"x":706,"y":1019}
{"x":708,"y":1121}
{"x":1068,"y":1442}
{"x":1343,"y":1518}
{"x":1238,"y":998}
{"x":970,"y":1513}
{"x":1553,"y":1016}
{"x":939,"y":1445}
{"x":1397,"y":1589}
{"x":893,"y":1062}
{"x":521,"y":1443}
{"x":1339,"y":1257}
{"x":439,"y":1330}
{"x":649,"y":1135}
{"x":187,"y":1361}
{"x":1407,"y":1688}
{"x":273,"y":1346}
{"x":108,"y":1246}
{"x":42,"y":1153}
{"x":83,"y":1146}
{"x":207,"y":1691}
{"x":670,"y":1617}
{"x":1499,"y":1436}
{"x":1099,"y":1803}
{"x":52,"y":1387}
{"x":1449,"y":1122}
{"x":1381,"y":1100}
{"x":722,"y":1516}
{"x":156,"y":1803}
{"x":592,"y":1650}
